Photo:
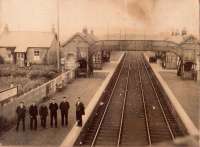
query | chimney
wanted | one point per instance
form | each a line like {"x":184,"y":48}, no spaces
{"x":6,"y":28}
{"x":184,"y":32}
{"x":85,"y":31}
{"x":53,"y":29}
{"x":92,"y":32}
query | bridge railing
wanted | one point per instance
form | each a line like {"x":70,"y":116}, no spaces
{"x":37,"y":95}
{"x":145,"y":45}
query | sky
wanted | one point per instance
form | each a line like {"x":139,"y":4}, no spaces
{"x":132,"y":16}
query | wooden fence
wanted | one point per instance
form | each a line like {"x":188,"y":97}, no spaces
{"x":38,"y":94}
{"x":7,"y":94}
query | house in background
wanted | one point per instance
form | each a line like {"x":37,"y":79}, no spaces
{"x":21,"y":47}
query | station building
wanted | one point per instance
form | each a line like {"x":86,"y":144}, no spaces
{"x":79,"y":53}
{"x":23,"y":47}
{"x":186,"y":63}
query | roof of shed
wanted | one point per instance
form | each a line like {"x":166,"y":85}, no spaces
{"x":23,"y":40}
{"x":89,"y":38}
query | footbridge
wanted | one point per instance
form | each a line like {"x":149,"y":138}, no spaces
{"x":183,"y":50}
{"x":188,"y":49}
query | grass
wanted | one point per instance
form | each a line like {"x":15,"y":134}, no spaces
{"x":26,"y":78}
{"x":4,"y":125}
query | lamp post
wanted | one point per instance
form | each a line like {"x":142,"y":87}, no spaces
{"x":58,"y":34}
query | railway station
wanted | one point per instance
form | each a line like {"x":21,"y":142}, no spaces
{"x":126,"y":79}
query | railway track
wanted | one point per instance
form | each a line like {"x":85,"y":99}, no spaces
{"x":135,"y":113}
{"x":109,"y":126}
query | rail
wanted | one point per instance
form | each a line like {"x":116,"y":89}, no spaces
{"x":157,"y":97}
{"x":103,"y":116}
{"x":144,"y":105}
{"x":123,"y":108}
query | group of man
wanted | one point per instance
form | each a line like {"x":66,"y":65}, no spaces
{"x":43,"y":113}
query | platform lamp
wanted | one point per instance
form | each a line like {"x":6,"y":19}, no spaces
{"x":58,"y":34}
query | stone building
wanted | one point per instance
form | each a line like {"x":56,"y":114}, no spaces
{"x":77,"y":52}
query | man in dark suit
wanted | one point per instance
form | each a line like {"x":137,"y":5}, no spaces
{"x":80,"y":110}
{"x":21,"y":114}
{"x":64,"y":108}
{"x":33,"y":111}
{"x":53,"y":107}
{"x":43,"y":111}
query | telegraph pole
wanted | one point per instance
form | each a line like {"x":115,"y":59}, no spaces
{"x":198,"y":52}
{"x":199,"y":19}
{"x":58,"y":34}
{"x":107,"y":30}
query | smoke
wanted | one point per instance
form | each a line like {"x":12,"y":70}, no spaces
{"x":101,"y":15}
{"x":141,"y":9}
{"x":176,"y":14}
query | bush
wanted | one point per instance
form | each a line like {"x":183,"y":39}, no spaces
{"x":50,"y":75}
{"x":32,"y":84}
{"x":4,"y":124}
{"x":1,"y":60}
{"x":5,"y":73}
{"x":8,"y":70}
{"x":34,"y":74}
{"x":19,"y":73}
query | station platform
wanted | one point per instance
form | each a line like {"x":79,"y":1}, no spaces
{"x":183,"y":94}
{"x":109,"y":68}
{"x":187,"y":93}
{"x":87,"y":88}
{"x":188,"y":141}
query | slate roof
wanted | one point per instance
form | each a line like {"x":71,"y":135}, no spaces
{"x":88,"y":38}
{"x":22,"y":40}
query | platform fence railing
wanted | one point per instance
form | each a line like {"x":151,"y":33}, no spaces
{"x":38,"y":94}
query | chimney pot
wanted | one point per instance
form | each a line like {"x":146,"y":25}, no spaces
{"x":85,"y":31}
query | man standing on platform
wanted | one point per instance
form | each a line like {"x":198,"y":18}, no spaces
{"x":80,"y":110}
{"x":21,"y":114}
{"x":33,"y":111}
{"x":43,"y":115}
{"x":53,"y":107}
{"x":64,"y":107}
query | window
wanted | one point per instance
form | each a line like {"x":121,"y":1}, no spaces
{"x":36,"y":53}
{"x":9,"y":55}
{"x":18,"y":55}
{"x":22,"y":55}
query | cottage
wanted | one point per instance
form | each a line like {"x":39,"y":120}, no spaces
{"x":22,"y":48}
{"x":77,"y":53}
